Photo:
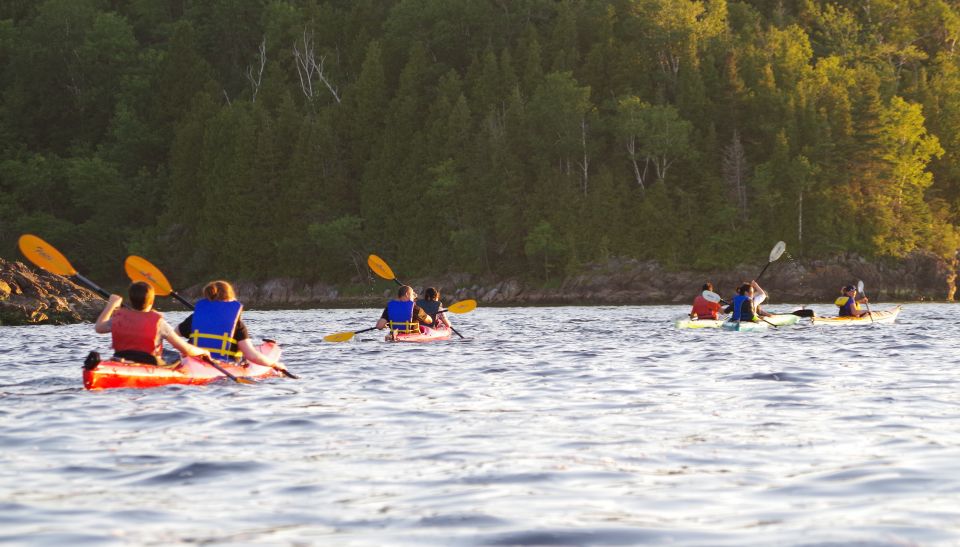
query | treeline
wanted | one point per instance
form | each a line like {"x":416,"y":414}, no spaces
{"x":256,"y":138}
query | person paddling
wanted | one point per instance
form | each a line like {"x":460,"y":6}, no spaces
{"x":746,"y":304}
{"x":215,"y":324}
{"x":703,"y":308}
{"x":403,"y":315}
{"x":138,"y":333}
{"x":430,"y":303}
{"x":849,"y":304}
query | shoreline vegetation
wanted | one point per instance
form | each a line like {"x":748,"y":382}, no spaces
{"x":531,"y":139}
{"x":31,"y":296}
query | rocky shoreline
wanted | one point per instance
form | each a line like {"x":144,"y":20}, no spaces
{"x":28,"y":296}
{"x":33,"y":297}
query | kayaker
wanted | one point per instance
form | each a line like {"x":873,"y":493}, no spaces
{"x":849,"y":304}
{"x":403,"y":314}
{"x":703,"y":308}
{"x":746,"y":304}
{"x":215,"y":324}
{"x":138,"y":332}
{"x":430,"y":303}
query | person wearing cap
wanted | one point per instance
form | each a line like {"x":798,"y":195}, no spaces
{"x":703,"y":308}
{"x":849,"y":304}
{"x":403,"y":315}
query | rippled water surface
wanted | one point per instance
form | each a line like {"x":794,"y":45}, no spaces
{"x":565,"y":426}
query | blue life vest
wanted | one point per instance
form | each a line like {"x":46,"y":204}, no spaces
{"x":743,"y":309}
{"x":213,"y":324}
{"x":400,"y":316}
{"x":430,"y":307}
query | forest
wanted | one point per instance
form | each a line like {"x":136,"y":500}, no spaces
{"x":252,"y":139}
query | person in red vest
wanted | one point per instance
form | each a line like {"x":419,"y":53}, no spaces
{"x":703,"y":308}
{"x":138,"y":332}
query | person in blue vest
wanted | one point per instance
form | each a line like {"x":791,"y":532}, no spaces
{"x":849,"y":304}
{"x":403,"y":315}
{"x":215,"y":324}
{"x":745,"y":306}
{"x":430,"y":303}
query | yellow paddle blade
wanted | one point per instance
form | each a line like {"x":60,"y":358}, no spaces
{"x":338,"y":337}
{"x":380,"y":267}
{"x":140,"y":269}
{"x":45,"y":255}
{"x":463,"y":306}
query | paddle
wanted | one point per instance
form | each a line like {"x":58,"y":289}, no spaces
{"x":140,"y":269}
{"x":775,"y":253}
{"x":380,"y":267}
{"x":213,"y":363}
{"x":464,"y":306}
{"x":860,"y":290}
{"x":48,"y":258}
{"x":714,"y":297}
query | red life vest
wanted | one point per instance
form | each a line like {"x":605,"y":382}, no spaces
{"x":704,"y":308}
{"x":136,"y":331}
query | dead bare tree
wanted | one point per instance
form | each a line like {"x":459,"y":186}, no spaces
{"x":308,"y":68}
{"x":632,"y":150}
{"x":735,"y":172}
{"x":256,"y":79}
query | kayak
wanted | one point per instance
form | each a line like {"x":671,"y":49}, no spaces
{"x":429,"y":335}
{"x":688,"y":323}
{"x":779,"y":319}
{"x":887,"y":317}
{"x":119,"y":373}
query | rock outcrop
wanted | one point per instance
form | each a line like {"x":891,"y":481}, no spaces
{"x":32,"y":297}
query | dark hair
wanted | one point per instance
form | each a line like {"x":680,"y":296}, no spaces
{"x":141,"y":295}
{"x":849,"y":288}
{"x":708,"y":286}
{"x":431,"y":293}
{"x":219,"y":291}
{"x":743,"y":288}
{"x":402,"y":291}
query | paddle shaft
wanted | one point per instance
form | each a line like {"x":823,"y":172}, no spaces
{"x":763,"y":270}
{"x":181,"y":299}
{"x":209,"y":360}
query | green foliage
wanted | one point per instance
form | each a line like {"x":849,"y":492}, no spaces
{"x":523,"y":137}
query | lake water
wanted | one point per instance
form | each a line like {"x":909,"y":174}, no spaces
{"x":547,"y":426}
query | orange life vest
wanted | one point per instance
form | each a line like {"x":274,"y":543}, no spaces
{"x":136,"y":331}
{"x":704,"y":308}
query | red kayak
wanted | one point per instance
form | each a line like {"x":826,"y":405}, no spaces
{"x":122,"y":373}
{"x":428,"y":335}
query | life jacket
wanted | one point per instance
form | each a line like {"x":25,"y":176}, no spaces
{"x":847,"y":306}
{"x":213,"y":324}
{"x":400,"y":316}
{"x":430,"y":307}
{"x":743,"y":309}
{"x":704,"y":309}
{"x":136,"y":331}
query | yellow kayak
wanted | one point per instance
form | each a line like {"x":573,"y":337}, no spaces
{"x":883,"y":317}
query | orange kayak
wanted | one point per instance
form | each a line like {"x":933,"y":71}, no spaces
{"x":120,"y":373}
{"x":429,"y":335}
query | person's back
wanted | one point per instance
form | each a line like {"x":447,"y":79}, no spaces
{"x":703,"y":308}
{"x":137,"y":333}
{"x":431,"y":305}
{"x":403,"y":314}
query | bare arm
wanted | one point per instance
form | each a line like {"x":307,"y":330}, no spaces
{"x":181,"y":345}
{"x":252,"y":354}
{"x":102,"y":326}
{"x":381,"y":323}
